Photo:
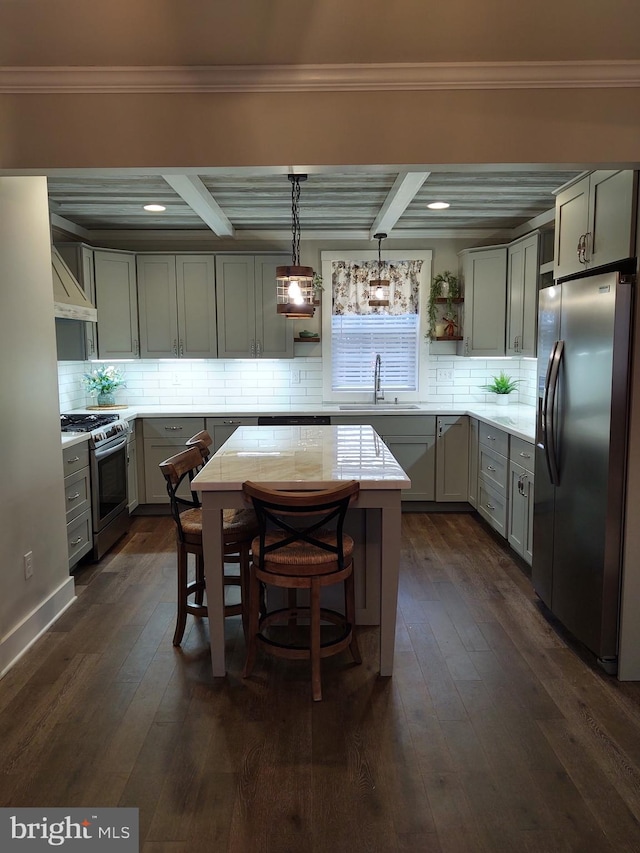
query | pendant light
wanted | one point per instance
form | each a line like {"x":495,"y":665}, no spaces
{"x":379,"y":288}
{"x":295,"y":282}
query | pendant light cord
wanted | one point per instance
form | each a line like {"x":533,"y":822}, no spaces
{"x":295,"y":221}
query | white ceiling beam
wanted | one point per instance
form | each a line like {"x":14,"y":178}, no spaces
{"x":63,"y":224}
{"x":546,"y":218}
{"x":191,"y":189}
{"x":397,"y":201}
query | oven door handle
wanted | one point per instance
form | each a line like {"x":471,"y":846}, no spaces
{"x":103,"y":453}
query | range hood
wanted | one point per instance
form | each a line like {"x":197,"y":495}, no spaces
{"x":69,"y":300}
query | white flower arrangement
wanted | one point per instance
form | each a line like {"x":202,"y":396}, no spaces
{"x":103,"y":380}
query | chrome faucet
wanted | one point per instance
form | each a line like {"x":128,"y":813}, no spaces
{"x":378,"y":393}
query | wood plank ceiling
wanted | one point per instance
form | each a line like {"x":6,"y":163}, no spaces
{"x":343,"y":202}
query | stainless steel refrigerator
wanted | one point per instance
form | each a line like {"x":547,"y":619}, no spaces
{"x":584,"y":327}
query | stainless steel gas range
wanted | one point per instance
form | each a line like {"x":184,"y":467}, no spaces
{"x":108,"y":465}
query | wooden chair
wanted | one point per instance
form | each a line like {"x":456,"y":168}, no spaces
{"x":240,"y":527}
{"x":301,"y":545}
{"x":204,"y":441}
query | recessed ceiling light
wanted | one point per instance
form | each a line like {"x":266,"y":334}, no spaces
{"x":439,"y":205}
{"x":154,"y":208}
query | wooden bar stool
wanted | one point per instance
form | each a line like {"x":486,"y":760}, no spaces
{"x":301,"y":545}
{"x":239,"y":528}
{"x":202,"y":440}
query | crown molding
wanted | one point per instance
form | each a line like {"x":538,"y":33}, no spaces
{"x":426,"y":76}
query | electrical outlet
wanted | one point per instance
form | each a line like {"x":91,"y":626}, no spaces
{"x":176,"y":378}
{"x":443,"y":375}
{"x":28,"y":564}
{"x":295,"y":377}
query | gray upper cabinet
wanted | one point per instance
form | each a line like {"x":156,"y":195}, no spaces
{"x":484,"y":276}
{"x":522,"y":296}
{"x":177,"y":305}
{"x":117,"y":304}
{"x":595,"y":221}
{"x":248,"y":324}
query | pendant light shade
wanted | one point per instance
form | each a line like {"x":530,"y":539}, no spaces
{"x":379,"y":288}
{"x":295,"y":282}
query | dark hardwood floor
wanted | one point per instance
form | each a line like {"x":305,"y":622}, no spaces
{"x":494,"y":734}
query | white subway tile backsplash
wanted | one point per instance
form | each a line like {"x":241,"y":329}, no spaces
{"x":252,"y":382}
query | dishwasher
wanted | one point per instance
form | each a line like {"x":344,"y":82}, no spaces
{"x":294,"y":420}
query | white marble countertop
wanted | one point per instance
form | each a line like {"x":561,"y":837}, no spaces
{"x":286,"y":456}
{"x":516,"y":419}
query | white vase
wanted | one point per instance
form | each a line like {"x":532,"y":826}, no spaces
{"x":502,"y":399}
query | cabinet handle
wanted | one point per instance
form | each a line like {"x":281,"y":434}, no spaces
{"x":71,"y":461}
{"x":77,"y":541}
{"x":491,"y":507}
{"x":92,"y":348}
{"x":259,"y":348}
{"x":466,"y":346}
{"x":587,"y":247}
{"x":253,"y":348}
{"x":516,"y":343}
{"x":181,"y":348}
{"x":136,"y":347}
{"x":74,"y":497}
{"x":175,"y":347}
{"x":174,"y":428}
{"x":525,"y":455}
{"x":490,"y":468}
{"x":229,"y":423}
{"x":491,"y":438}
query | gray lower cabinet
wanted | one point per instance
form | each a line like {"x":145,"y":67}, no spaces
{"x":493,"y":485}
{"x":248,"y":323}
{"x":77,"y":494}
{"x":162,"y":438}
{"x":132,"y":473}
{"x":220,"y":429}
{"x":521,"y":479}
{"x":452,"y":458}
{"x":412,"y":440}
{"x":473,"y":461}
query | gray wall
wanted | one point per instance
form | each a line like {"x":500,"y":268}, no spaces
{"x":32,"y":514}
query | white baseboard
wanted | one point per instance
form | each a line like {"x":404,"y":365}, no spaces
{"x":24,"y":635}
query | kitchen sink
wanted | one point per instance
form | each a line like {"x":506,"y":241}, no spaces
{"x":354,"y":407}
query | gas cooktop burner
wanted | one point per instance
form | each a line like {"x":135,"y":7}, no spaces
{"x":85,"y":423}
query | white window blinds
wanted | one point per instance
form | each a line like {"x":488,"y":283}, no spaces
{"x":357,"y":338}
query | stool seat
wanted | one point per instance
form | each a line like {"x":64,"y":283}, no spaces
{"x":300,"y":558}
{"x":237,"y":523}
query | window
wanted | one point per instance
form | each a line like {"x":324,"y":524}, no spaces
{"x":353,"y":333}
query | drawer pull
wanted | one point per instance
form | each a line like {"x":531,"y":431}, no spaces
{"x":232,"y":422}
{"x":173,"y":428}
{"x":74,"y":497}
{"x":491,"y":437}
{"x":490,"y":468}
{"x":77,"y":541}
{"x":71,"y":461}
{"x":525,"y":455}
{"x":490,"y":507}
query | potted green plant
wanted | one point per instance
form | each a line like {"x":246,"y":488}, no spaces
{"x":103,"y":381}
{"x":502,"y":385}
{"x":318,"y":288}
{"x":445,"y":285}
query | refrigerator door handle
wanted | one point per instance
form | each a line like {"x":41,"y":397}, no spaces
{"x":550,"y":404}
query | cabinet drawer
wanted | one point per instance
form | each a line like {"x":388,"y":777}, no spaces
{"x":493,"y":508}
{"x":496,"y":439}
{"x":522,"y":453}
{"x":79,"y":537}
{"x":77,"y":493}
{"x":74,"y":458}
{"x":493,"y":469}
{"x":179,"y":429}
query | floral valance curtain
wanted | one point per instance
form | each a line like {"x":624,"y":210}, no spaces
{"x":350,"y":286}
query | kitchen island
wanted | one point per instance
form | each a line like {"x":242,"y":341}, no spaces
{"x":295,"y":457}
